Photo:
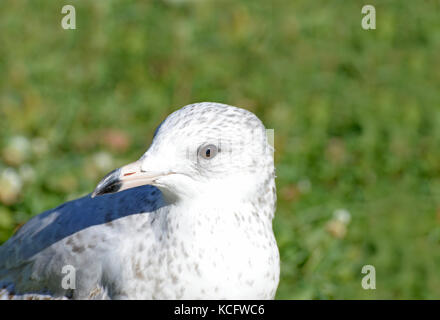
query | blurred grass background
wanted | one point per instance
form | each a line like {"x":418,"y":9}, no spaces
{"x":356,"y":116}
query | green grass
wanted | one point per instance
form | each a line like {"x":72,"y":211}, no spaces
{"x":356,"y":116}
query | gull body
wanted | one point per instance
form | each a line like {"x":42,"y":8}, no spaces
{"x":191,"y":219}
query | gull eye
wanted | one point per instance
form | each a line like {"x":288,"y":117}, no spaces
{"x":208,"y":152}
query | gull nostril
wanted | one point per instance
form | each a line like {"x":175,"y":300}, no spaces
{"x":129,"y":174}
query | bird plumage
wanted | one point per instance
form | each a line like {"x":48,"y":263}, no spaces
{"x":203,"y":229}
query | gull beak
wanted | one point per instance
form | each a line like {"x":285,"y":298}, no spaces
{"x":126,"y":177}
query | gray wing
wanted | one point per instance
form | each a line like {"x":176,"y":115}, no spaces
{"x":81,"y":232}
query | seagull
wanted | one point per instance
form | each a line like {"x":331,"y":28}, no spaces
{"x":191,"y":219}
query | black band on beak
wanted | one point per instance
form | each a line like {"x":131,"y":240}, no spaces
{"x":109,"y":184}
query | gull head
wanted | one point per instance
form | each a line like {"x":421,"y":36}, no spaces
{"x":201,"y":150}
